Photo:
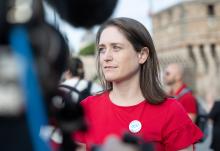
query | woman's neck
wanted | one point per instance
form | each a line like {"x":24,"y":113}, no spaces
{"x":127,"y":93}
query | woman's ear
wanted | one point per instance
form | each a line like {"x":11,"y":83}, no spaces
{"x":143,"y":55}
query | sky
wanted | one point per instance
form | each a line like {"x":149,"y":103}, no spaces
{"x":136,"y":9}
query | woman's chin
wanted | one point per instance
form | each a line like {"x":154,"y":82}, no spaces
{"x":110,"y":79}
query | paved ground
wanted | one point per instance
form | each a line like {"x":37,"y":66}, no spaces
{"x":205,"y":145}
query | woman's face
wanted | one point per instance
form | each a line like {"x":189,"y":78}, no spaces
{"x":117,"y":57}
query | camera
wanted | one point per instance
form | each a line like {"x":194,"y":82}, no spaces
{"x":35,"y":55}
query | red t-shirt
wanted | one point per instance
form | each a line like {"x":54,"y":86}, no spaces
{"x":166,"y":124}
{"x":187,"y":100}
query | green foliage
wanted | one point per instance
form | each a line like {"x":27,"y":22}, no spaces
{"x":88,"y":50}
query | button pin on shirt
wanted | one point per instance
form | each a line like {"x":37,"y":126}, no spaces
{"x":135,"y":126}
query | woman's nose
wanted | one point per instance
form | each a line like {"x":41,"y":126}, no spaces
{"x":108,"y":55}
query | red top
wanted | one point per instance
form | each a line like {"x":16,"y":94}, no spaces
{"x":187,"y":100}
{"x":166,"y":124}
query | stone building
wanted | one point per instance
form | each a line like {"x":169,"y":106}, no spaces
{"x":189,"y":33}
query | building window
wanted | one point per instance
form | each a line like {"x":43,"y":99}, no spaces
{"x":201,"y":48}
{"x":213,"y":51}
{"x":159,"y":20}
{"x":191,"y":54}
{"x":170,"y":15}
{"x":214,"y":55}
{"x":211,"y":10}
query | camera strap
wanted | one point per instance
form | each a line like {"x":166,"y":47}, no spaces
{"x":35,"y":112}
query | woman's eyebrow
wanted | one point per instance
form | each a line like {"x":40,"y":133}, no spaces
{"x":113,"y":44}
{"x":100,"y":45}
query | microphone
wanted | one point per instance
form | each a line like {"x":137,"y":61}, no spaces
{"x":84,"y":13}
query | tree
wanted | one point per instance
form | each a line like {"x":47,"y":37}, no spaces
{"x":88,"y":50}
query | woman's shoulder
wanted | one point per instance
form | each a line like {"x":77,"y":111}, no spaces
{"x":170,"y":103}
{"x":177,"y":124}
{"x":95,"y":98}
{"x":174,"y":111}
{"x":175,"y":106}
{"x":170,"y":108}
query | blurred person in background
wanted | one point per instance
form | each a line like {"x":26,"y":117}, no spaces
{"x":74,"y":80}
{"x":214,"y":115}
{"x":133,"y":100}
{"x":173,"y":78}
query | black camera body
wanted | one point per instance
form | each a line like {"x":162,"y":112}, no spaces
{"x":50,"y":54}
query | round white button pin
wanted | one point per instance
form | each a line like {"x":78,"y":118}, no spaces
{"x":135,"y":126}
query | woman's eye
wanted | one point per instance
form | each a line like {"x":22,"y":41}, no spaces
{"x":117,"y":48}
{"x":101,"y":50}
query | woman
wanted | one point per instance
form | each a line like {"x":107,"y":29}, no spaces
{"x":133,"y":100}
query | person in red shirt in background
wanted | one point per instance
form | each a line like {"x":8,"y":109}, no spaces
{"x":133,"y":100}
{"x":173,"y":78}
